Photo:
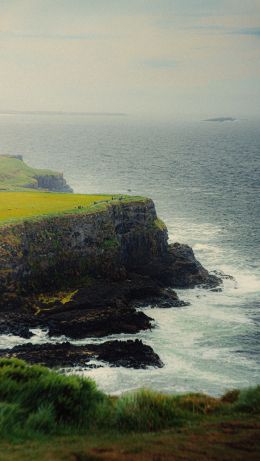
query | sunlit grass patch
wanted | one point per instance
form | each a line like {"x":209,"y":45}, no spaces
{"x":15,"y":206}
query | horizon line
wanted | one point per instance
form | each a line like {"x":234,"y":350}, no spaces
{"x":55,"y":112}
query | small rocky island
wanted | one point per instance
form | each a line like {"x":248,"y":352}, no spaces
{"x":85,"y":273}
{"x":221,"y":119}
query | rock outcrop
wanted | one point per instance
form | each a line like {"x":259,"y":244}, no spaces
{"x":53,"y":183}
{"x":129,"y":354}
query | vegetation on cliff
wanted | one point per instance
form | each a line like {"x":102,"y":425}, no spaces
{"x":16,"y":175}
{"x":19,"y":206}
{"x":36,"y":402}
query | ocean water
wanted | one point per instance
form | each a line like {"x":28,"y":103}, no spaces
{"x":204,"y":178}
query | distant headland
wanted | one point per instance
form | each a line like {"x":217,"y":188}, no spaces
{"x":220,"y":119}
{"x":16,"y":175}
{"x":50,"y":112}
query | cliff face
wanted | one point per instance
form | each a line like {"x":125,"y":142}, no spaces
{"x":53,"y":183}
{"x":50,"y":253}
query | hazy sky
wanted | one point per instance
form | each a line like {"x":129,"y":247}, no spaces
{"x":166,"y":57}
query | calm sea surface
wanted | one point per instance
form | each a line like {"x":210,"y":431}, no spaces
{"x":204,"y":178}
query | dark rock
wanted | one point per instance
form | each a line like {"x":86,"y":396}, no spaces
{"x":165,"y":298}
{"x":96,"y":322}
{"x":187,"y":271}
{"x":130,"y":354}
{"x":16,"y":323}
{"x":224,"y":276}
{"x":53,"y":183}
{"x":180,"y":269}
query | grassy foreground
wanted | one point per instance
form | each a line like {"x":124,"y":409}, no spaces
{"x":16,"y":206}
{"x":48,"y":416}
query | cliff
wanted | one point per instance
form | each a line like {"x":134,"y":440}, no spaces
{"x":54,"y":251}
{"x":16,"y":175}
{"x":83,"y":272}
{"x":108,"y":241}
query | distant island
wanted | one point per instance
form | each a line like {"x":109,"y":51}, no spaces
{"x":220,"y":119}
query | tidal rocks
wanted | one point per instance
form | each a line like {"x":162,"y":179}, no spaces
{"x":179,"y":268}
{"x":130,"y":354}
{"x":96,"y":322}
{"x":17,"y":323}
{"x":186,"y":271}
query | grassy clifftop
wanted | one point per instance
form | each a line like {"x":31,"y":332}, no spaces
{"x":18,"y":202}
{"x":16,"y":175}
{"x":17,"y":206}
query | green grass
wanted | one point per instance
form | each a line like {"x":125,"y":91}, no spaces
{"x":17,"y":206}
{"x":15,"y":174}
{"x":35,"y":402}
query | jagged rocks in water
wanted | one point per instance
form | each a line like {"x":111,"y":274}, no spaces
{"x":130,"y":354}
{"x":186,"y":270}
{"x":166,"y":298}
{"x":180,"y":269}
{"x":97,"y":322}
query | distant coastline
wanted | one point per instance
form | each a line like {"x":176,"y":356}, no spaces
{"x":43,"y":112}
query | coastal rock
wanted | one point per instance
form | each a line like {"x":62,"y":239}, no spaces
{"x":53,"y":183}
{"x":17,"y":324}
{"x":179,"y":268}
{"x":96,"y":322}
{"x":130,"y":354}
{"x":186,"y":270}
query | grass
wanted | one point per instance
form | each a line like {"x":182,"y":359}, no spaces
{"x":15,"y":174}
{"x":35,"y":399}
{"x":48,"y":416}
{"x":17,"y":206}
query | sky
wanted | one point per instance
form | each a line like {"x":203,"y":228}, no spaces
{"x":161,"y":58}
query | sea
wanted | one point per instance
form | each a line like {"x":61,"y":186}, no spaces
{"x":205,"y":182}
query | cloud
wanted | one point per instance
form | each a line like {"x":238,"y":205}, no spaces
{"x":254,"y":31}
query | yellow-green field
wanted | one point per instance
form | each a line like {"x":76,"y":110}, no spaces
{"x":22,"y":205}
